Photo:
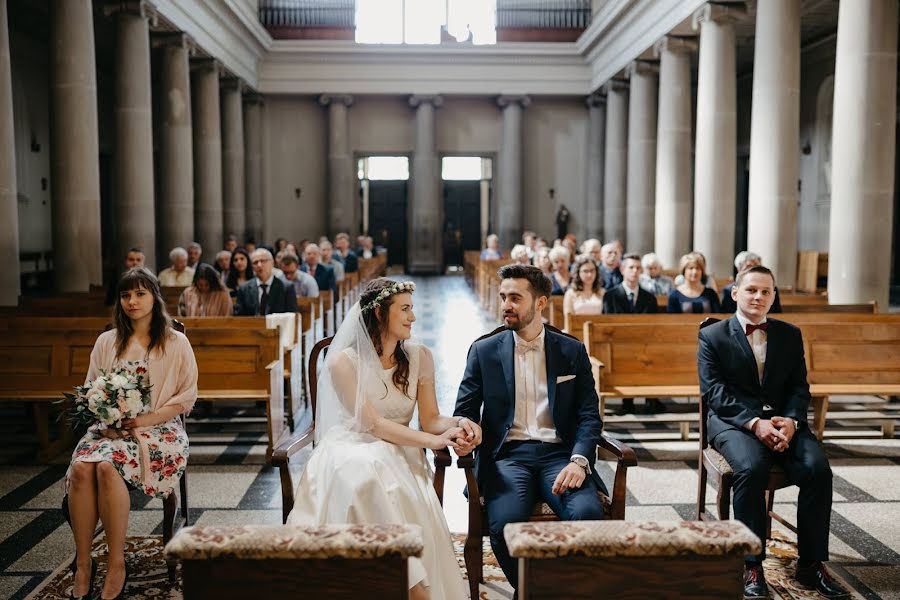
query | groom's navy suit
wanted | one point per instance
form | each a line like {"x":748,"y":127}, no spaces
{"x":513,"y":475}
{"x":734,"y":394}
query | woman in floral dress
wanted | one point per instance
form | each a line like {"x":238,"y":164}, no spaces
{"x":150,"y":452}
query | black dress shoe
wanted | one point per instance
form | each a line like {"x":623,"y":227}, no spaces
{"x":90,"y":592}
{"x":121,"y":593}
{"x":817,"y":576}
{"x":754,"y":582}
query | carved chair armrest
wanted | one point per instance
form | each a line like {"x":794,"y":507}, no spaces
{"x":625,"y":458}
{"x":442,"y":460}
{"x":467,"y":464}
{"x":623,"y":453}
{"x":281,"y":458}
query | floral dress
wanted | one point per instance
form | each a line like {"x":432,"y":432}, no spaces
{"x":166,"y":445}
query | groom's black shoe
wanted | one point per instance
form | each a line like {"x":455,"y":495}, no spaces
{"x":816,"y":576}
{"x":754,"y":582}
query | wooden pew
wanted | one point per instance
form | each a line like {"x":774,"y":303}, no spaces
{"x":327,"y":299}
{"x":556,"y":317}
{"x":857,"y":357}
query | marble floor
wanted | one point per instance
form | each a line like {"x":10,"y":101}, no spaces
{"x":230,"y":482}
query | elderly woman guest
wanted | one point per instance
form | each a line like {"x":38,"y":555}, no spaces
{"x":179,"y":274}
{"x":585,"y":294}
{"x":560,"y":278}
{"x":693,"y":296}
{"x":542,"y":260}
{"x":107,"y":461}
{"x":240,"y":270}
{"x":519,"y":255}
{"x":492,"y":251}
{"x":206,"y":297}
{"x":652,"y":279}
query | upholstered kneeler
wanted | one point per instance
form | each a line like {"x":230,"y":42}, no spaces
{"x":327,"y":561}
{"x":619,"y":559}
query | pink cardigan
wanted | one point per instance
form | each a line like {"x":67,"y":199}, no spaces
{"x":173,"y":374}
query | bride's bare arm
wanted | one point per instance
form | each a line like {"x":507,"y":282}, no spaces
{"x":429,"y":418}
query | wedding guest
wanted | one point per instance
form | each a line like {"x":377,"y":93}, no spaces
{"x":106,"y":462}
{"x":266,"y":293}
{"x":743,"y":261}
{"x":560,"y":277}
{"x":223,"y":261}
{"x":529,"y":240}
{"x":592,"y":248}
{"x":585,"y":294}
{"x":206,"y":296}
{"x":179,"y":274}
{"x":708,"y":279}
{"x":519,"y":255}
{"x":280,"y":245}
{"x":328,"y":259}
{"x":542,"y":260}
{"x":692,"y":296}
{"x":628,"y":296}
{"x":652,"y":279}
{"x":304,"y":285}
{"x":343,"y":253}
{"x":231,"y":243}
{"x":239,"y":272}
{"x":194,"y":251}
{"x":323,"y":274}
{"x":492,"y":248}
{"x":134,"y":259}
{"x":610,"y":275}
{"x":250,"y":246}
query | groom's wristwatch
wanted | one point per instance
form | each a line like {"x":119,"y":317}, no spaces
{"x":583,"y":463}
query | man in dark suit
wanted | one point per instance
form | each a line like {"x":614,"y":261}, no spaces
{"x":531,"y":390}
{"x":264,"y":294}
{"x":629,"y":297}
{"x":343,"y":253}
{"x":744,"y":260}
{"x":323,"y":274}
{"x":753,"y":379}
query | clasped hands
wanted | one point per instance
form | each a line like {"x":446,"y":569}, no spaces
{"x":463,"y":438}
{"x":776,"y":433}
{"x":128,"y":425}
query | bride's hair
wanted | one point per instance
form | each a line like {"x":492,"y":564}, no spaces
{"x":376,"y":328}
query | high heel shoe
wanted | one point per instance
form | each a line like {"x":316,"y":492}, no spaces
{"x":121,"y":593}
{"x":90,"y":592}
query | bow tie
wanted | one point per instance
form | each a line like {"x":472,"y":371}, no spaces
{"x":762,"y":327}
{"x":525,"y":347}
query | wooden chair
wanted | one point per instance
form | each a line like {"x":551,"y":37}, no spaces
{"x":714,"y":468}
{"x":282,"y":454}
{"x":614,"y":508}
{"x":170,"y":504}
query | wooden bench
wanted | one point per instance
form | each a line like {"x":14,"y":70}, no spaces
{"x":340,"y":562}
{"x":803,"y":303}
{"x":625,"y":560}
{"x":859,"y":358}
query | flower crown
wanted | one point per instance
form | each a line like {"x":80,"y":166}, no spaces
{"x":401,"y":287}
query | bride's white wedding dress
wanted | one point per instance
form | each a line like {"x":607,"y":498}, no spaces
{"x":354,"y":477}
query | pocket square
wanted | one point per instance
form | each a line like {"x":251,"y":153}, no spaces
{"x":564,"y":378}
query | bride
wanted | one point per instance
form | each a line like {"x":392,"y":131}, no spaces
{"x":368,"y":465}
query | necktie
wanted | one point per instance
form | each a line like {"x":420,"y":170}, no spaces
{"x":631,"y":298}
{"x":751,"y":327}
{"x":264,"y":299}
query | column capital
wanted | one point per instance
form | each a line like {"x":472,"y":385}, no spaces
{"x":615,"y":85}
{"x":416,"y":100}
{"x":641,"y":67}
{"x":676,"y":44}
{"x":509,"y":99}
{"x":173,"y":39}
{"x":718,"y":13}
{"x":232,"y":84}
{"x":598,"y":98}
{"x":254,"y":99}
{"x":206,"y":63}
{"x":345,"y":99}
{"x":138,"y":8}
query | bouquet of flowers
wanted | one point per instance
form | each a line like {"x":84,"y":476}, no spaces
{"x":110,"y":398}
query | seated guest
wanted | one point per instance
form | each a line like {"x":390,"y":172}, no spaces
{"x":652,"y":279}
{"x":304,"y":285}
{"x":560,"y":277}
{"x":323,"y":274}
{"x":542,"y":260}
{"x":569,"y":244}
{"x":628,"y":297}
{"x":231,"y":243}
{"x":265,"y":293}
{"x":758,"y":421}
{"x":592,"y":248}
{"x":343,"y":253}
{"x":179,"y":274}
{"x":328,"y":260}
{"x":206,"y":296}
{"x":610,"y":274}
{"x":239,"y":272}
{"x":280,"y":245}
{"x":359,"y":250}
{"x":585,"y":294}
{"x":291,"y":248}
{"x":367,"y":249}
{"x":745,"y":260}
{"x":194,"y":251}
{"x":250,"y":246}
{"x":708,"y":279}
{"x":223,"y":261}
{"x":529,"y":240}
{"x":492,"y":249}
{"x":692,"y":296}
{"x":134,"y":259}
{"x":519,"y":255}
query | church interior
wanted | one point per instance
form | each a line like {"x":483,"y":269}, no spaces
{"x":436,"y":141}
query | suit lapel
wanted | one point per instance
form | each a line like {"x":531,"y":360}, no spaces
{"x":771,"y":349}
{"x":551,"y":349}
{"x":507,"y":349}
{"x":254,"y":296}
{"x":737,"y":334}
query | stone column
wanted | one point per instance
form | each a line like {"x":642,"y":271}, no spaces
{"x":426,"y":210}
{"x":715,"y":154}
{"x":208,"y":224}
{"x":74,"y":147}
{"x":863,"y":140}
{"x":133,"y":197}
{"x":591,"y":218}
{"x":343,"y":201}
{"x":176,"y":160}
{"x":775,"y":138}
{"x":9,"y":209}
{"x":673,"y":150}
{"x":253,"y":104}
{"x":615,"y":161}
{"x":509,"y":177}
{"x":641,"y":204}
{"x":234,"y":206}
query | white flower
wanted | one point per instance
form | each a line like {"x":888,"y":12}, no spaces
{"x":118,"y":381}
{"x":134,"y":406}
{"x":113,"y":415}
{"x":94,"y":400}
{"x":133,"y":395}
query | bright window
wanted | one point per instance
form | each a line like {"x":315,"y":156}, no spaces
{"x":421,"y":21}
{"x":462,"y":168}
{"x":384,"y":168}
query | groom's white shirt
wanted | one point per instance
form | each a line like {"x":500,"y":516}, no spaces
{"x":532,"y":420}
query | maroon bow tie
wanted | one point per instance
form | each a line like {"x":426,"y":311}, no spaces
{"x":762,"y":327}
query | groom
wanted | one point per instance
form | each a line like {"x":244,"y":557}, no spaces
{"x":540,"y":422}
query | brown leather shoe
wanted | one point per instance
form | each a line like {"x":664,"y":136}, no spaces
{"x":817,"y":576}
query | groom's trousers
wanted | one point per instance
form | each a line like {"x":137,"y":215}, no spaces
{"x":525,"y":472}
